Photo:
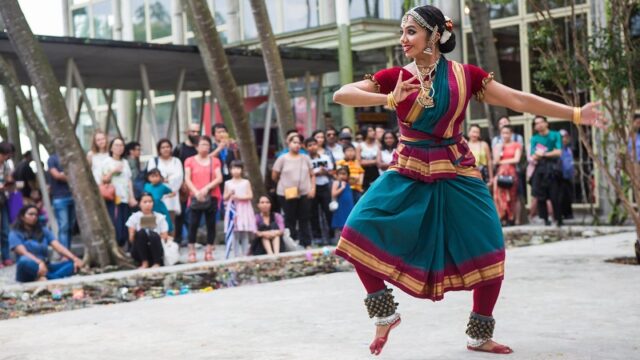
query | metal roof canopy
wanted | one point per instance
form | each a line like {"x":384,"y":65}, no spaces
{"x":110,"y":64}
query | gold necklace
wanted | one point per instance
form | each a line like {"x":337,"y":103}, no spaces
{"x":427,"y":91}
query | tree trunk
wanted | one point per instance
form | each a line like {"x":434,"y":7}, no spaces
{"x":13,"y":89}
{"x":486,"y":53}
{"x":224,"y":85}
{"x":14,"y":126}
{"x":97,"y":231}
{"x":273,"y":65}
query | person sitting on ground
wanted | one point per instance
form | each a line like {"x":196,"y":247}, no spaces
{"x":270,"y":229}
{"x":147,"y":230}
{"x":158,"y":189}
{"x":30,"y":241}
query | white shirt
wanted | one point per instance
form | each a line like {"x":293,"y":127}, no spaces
{"x":322,"y":160}
{"x":121,"y":181}
{"x":336,"y":150}
{"x":161,"y":222}
{"x":97,"y":163}
{"x":369,"y":152}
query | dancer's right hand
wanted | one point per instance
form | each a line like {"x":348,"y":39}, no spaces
{"x":404,"y":88}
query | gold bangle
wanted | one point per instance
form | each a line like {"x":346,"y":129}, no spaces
{"x":577,"y":116}
{"x":391,"y":101}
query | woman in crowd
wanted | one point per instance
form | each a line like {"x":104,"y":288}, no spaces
{"x":293,"y":173}
{"x":387,"y":149}
{"x":116,"y":174}
{"x":481,"y":152}
{"x":506,"y":156}
{"x":171,"y":170}
{"x":367,"y":155}
{"x":320,"y":137}
{"x":30,"y":241}
{"x":147,"y":231}
{"x":98,"y":154}
{"x":203,"y":176}
{"x":270,"y":228}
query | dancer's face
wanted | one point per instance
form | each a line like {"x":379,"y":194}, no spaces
{"x":413,"y":38}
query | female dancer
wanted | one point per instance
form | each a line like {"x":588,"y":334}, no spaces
{"x":429,"y":225}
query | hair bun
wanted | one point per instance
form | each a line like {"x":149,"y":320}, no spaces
{"x":449,"y":45}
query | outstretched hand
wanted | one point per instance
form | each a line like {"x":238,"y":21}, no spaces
{"x":404,"y":88}
{"x":592,"y":116}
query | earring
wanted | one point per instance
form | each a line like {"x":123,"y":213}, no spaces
{"x":429,"y":49}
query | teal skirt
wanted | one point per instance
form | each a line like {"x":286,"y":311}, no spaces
{"x":426,"y":238}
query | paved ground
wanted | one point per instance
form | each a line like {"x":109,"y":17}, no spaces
{"x":559,"y":301}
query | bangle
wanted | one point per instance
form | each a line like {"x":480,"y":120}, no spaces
{"x":577,"y":116}
{"x":391,"y":101}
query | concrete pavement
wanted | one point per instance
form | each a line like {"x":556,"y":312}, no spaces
{"x":559,"y":301}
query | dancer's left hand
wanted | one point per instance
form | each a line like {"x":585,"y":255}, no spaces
{"x":592,"y":116}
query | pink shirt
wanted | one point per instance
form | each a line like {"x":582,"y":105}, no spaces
{"x":201,"y":175}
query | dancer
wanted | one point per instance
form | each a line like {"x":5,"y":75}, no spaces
{"x":429,"y":225}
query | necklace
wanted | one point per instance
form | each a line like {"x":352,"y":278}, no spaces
{"x":426,"y":76}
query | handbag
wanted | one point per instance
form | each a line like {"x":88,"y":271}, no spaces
{"x":208,"y":201}
{"x":293,"y":192}
{"x":505,"y":181}
{"x":171,"y":252}
{"x":108,"y":191}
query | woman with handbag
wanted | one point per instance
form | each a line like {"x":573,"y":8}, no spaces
{"x":293,"y":172}
{"x":117,"y":188}
{"x":506,"y":156}
{"x":481,"y":152}
{"x":203,"y":176}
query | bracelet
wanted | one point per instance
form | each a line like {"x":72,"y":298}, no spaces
{"x":577,"y":116}
{"x":391,"y":101}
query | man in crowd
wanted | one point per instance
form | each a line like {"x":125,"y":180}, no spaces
{"x":184,"y":151}
{"x":546,"y":148}
{"x":322,"y":167}
{"x":332,"y":143}
{"x":225,"y":149}
{"x":63,"y":204}
{"x":25,"y":175}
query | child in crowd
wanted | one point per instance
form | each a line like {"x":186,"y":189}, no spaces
{"x":342,"y":193}
{"x":356,"y":172}
{"x":147,"y":230}
{"x":158,"y":189}
{"x":237,"y":190}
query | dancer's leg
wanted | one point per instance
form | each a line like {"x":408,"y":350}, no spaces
{"x":485,"y":298}
{"x":481,"y":322}
{"x":370,"y":282}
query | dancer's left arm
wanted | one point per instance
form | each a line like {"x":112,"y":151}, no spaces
{"x":500,"y":95}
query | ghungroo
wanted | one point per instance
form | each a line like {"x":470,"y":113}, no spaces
{"x":480,"y":328}
{"x":380,"y":304}
{"x":387,"y":320}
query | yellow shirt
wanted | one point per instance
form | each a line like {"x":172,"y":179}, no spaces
{"x":355,"y":172}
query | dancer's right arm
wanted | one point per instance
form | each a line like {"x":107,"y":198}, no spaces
{"x":365,"y":92}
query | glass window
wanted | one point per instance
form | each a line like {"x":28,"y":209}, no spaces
{"x":250,"y":31}
{"x":103,"y":20}
{"x":80,"y":22}
{"x":196,"y":109}
{"x":300,"y":14}
{"x":497,"y":10}
{"x":160,"y":18}
{"x":634,"y":24}
{"x":508,"y":47}
{"x":139,"y":22}
{"x":397,"y":9}
{"x":163,"y":113}
{"x":538,"y":5}
{"x":365,"y":9}
{"x":221,"y":10}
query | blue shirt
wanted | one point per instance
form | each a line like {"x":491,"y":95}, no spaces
{"x":157,"y":191}
{"x":39,"y":248}
{"x":286,"y":150}
{"x":568,"y":169}
{"x":59,"y":189}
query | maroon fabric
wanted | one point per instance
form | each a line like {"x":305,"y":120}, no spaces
{"x":371,"y":283}
{"x":485,"y":297}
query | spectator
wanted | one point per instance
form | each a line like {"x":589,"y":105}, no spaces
{"x":506,"y":156}
{"x":320,"y":138}
{"x":568,"y":173}
{"x":98,"y":154}
{"x":502,"y":122}
{"x":184,"y":151}
{"x":35,"y":199}
{"x":332,"y":144}
{"x":158,"y":189}
{"x":345,"y":139}
{"x":116,"y":172}
{"x":367,"y":155}
{"x":343,"y":194}
{"x":225,"y":149}
{"x":173,"y":175}
{"x":359,"y":139}
{"x":380,"y":130}
{"x":147,"y":230}
{"x":31,"y":241}
{"x":322,"y":168}
{"x":238,"y":191}
{"x":6,"y":183}
{"x":270,"y":228}
{"x":481,"y":152}
{"x":356,"y":172}
{"x":293,"y":173}
{"x":546,"y":148}
{"x":387,"y":150}
{"x":203,"y":176}
{"x":286,"y":149}
{"x":63,"y":204}
{"x":346,"y":130}
{"x":24,"y":176}
{"x":132,"y":152}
